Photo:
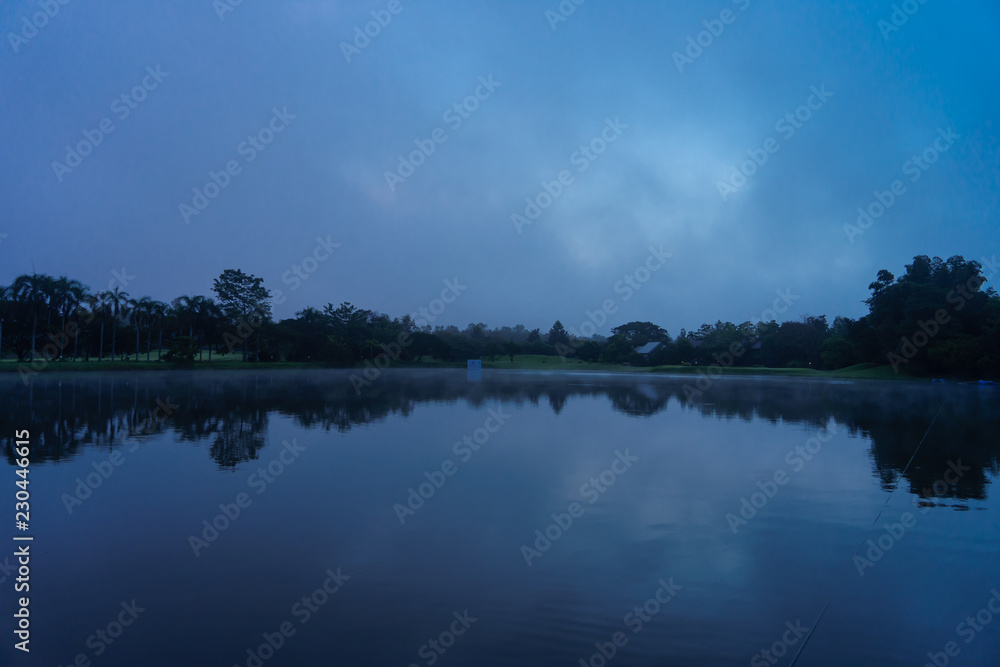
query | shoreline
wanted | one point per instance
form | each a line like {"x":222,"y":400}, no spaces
{"x":531,"y":364}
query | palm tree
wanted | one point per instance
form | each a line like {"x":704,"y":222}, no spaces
{"x":196,"y":312}
{"x":208,"y":317}
{"x":165,"y":315}
{"x":183,"y":307}
{"x":134,"y":317}
{"x":49,"y":289}
{"x":36,"y":291}
{"x":184,"y":310}
{"x":212,"y":319}
{"x":63,"y":292}
{"x":141,"y":314}
{"x":312,"y":317}
{"x":99,"y":308}
{"x":198,"y":306}
{"x":73,"y":294}
{"x":4,"y":306}
{"x":117,"y":302}
{"x":156,"y":311}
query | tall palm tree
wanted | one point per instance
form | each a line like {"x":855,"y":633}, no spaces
{"x":166,"y":316}
{"x":155,"y":312}
{"x":184,"y":311}
{"x":197,"y":321}
{"x":100,"y":310}
{"x":35,"y":290}
{"x":69,"y":295}
{"x":116,"y":301}
{"x":212,"y":318}
{"x":80,"y":296}
{"x":5,"y":293}
{"x":204,"y":310}
{"x":194,"y":313}
{"x":140,"y":315}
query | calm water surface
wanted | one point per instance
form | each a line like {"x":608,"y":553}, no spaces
{"x":693,"y":529}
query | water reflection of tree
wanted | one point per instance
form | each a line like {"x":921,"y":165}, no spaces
{"x":238,"y":438}
{"x":231,"y":410}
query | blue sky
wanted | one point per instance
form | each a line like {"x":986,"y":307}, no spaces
{"x":553,"y":91}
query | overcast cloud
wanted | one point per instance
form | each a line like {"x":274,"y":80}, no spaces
{"x":673,"y":128}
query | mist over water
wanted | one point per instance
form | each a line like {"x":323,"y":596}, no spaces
{"x":570,"y":515}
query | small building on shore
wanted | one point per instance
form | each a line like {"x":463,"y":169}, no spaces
{"x":649,"y":348}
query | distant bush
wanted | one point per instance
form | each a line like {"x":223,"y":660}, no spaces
{"x":182,"y":351}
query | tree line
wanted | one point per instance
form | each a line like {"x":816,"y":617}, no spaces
{"x":230,"y":413}
{"x":936,"y":318}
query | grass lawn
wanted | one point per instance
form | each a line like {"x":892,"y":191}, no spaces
{"x":535,"y":362}
{"x":857,"y":372}
{"x":523,"y":362}
{"x":219,"y":362}
{"x":538,"y":362}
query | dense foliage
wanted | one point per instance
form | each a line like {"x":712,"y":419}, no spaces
{"x":934,"y":319}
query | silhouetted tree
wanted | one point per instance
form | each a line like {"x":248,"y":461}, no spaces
{"x":245,"y":302}
{"x":558,"y":335}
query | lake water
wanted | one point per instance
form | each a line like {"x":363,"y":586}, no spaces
{"x":675,"y":525}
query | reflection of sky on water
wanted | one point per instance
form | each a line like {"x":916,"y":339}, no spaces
{"x":664,"y":517}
